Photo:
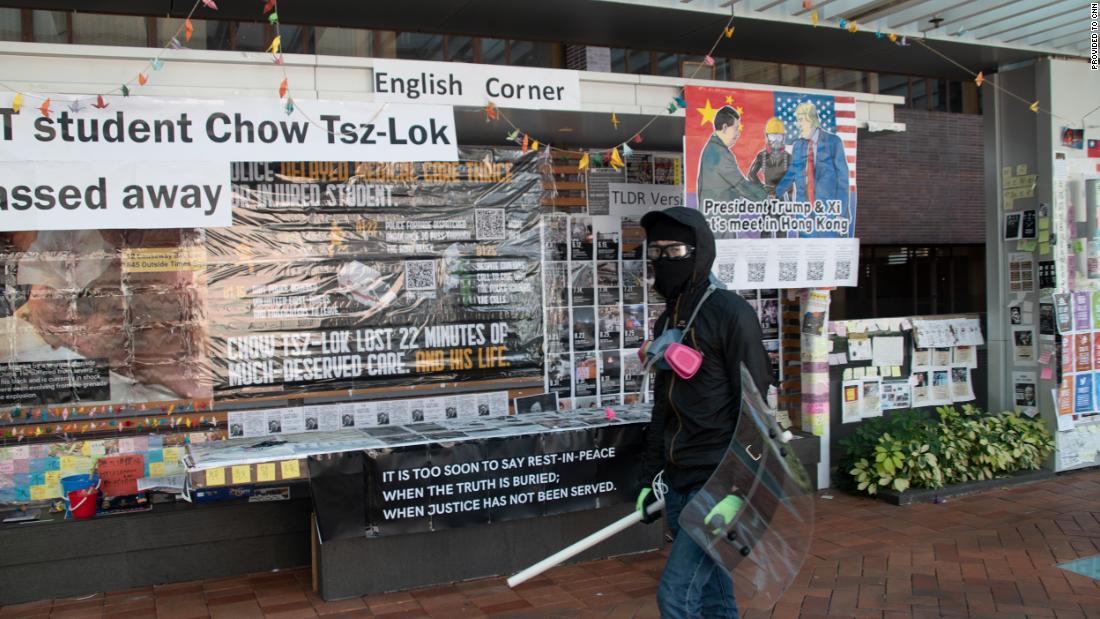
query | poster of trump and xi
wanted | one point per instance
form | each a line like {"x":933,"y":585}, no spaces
{"x":774,"y":173}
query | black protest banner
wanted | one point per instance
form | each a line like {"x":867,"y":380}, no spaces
{"x":419,"y":488}
{"x":341,"y":275}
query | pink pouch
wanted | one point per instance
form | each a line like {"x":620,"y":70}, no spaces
{"x":684,"y":360}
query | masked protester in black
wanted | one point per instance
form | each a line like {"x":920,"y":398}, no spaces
{"x":694,"y":419}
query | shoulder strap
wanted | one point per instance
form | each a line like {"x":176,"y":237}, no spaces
{"x":699,"y":306}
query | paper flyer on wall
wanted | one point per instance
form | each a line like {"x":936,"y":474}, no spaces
{"x":1023,"y":345}
{"x":852,"y":398}
{"x":922,"y":389}
{"x":872,"y":397}
{"x":941,"y":387}
{"x":1024,"y":389}
{"x":1021,"y":276}
{"x":965,"y":355}
{"x":887,"y":350}
{"x":921,"y":359}
{"x":897,"y":394}
{"x":860,"y":348}
{"x":816,"y":316}
{"x":1083,"y":396}
{"x":1013,"y":223}
{"x":962,"y":390}
{"x":941,"y":357}
{"x":1063,"y":312}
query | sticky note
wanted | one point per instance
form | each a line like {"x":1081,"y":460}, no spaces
{"x":859,"y":373}
{"x":265,"y":472}
{"x":215,"y":477}
{"x":156,"y":469}
{"x":1044,"y":249}
{"x":848,"y":374}
{"x":1047,"y":374}
{"x":154,"y":455}
{"x":1078,"y":247}
{"x":1028,"y":245}
{"x":290,"y":469}
{"x":1044,"y":236}
{"x":895,"y":372}
{"x":38,"y":493}
{"x":242,"y":473}
{"x":1044,"y":223}
{"x":171,"y":454}
{"x":53,"y":477}
{"x":1021,"y":169}
{"x":1006,"y":172}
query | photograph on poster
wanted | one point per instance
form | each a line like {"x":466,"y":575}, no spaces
{"x":941,"y":387}
{"x":853,"y":401}
{"x":1024,"y":388}
{"x":896,"y":394}
{"x":544,"y":402}
{"x":922,"y":358}
{"x":961,"y":388}
{"x":872,"y":397}
{"x":1023,"y":344}
{"x":922,"y":394}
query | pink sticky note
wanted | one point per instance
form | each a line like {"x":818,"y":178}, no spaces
{"x":1045,"y":358}
{"x":1048,"y":373}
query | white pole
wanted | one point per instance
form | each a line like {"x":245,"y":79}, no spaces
{"x":569,"y":551}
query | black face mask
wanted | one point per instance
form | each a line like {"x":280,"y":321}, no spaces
{"x":670,"y":276}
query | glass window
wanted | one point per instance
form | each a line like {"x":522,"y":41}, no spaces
{"x":296,"y":39}
{"x":418,"y":46}
{"x":253,"y":37}
{"x":460,"y":49}
{"x":385,"y":43}
{"x":532,"y":54}
{"x":843,"y":79}
{"x":641,"y":62}
{"x":790,"y":75}
{"x":919,"y":93}
{"x":894,"y":85}
{"x":721,"y":69}
{"x":618,"y":60}
{"x":756,"y":72}
{"x":815,"y":77}
{"x":938,"y":95}
{"x":342,"y":41}
{"x":51,"y":27}
{"x":167,"y":27}
{"x":99,"y":29}
{"x":11,"y":25}
{"x":493,"y":51}
{"x":668,"y":65}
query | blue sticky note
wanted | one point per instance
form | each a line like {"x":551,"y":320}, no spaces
{"x":146,"y":468}
{"x":37,"y":465}
{"x":53,"y":463}
{"x":23,"y":493}
{"x":7,"y":495}
{"x":156,"y":441}
{"x":37,"y":479}
{"x":21,"y":479}
{"x":154,"y":455}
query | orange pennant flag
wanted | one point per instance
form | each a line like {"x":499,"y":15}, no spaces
{"x":980,"y":79}
{"x":188,"y":30}
{"x":813,"y":18}
{"x":523,"y":146}
{"x":729,"y":32}
{"x":283,"y":87}
{"x":45,"y":108}
{"x":142,"y":79}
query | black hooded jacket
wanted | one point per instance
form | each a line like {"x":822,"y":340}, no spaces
{"x":694,"y":420}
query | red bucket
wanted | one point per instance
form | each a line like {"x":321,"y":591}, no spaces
{"x":82,"y":503}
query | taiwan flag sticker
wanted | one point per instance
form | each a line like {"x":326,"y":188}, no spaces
{"x":1094,"y":148}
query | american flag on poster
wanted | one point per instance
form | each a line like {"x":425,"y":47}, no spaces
{"x":774,"y":173}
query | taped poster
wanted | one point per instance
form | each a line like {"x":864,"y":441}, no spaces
{"x":941,"y":387}
{"x":962,"y":390}
{"x":774,"y":174}
{"x":852,"y":406}
{"x":816,"y":315}
{"x":922,"y":390}
{"x":897,"y":394}
{"x":872,"y":397}
{"x":1023,"y":345}
{"x":1024,"y":388}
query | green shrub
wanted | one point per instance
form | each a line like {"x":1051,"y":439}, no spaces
{"x":911,"y":449}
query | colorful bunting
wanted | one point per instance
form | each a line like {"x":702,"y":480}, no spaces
{"x":843,"y":23}
{"x":277,"y":59}
{"x":283,"y":87}
{"x":878,"y":34}
{"x":142,"y":79}
{"x":1034,"y":107}
{"x":524,"y":144}
{"x":16,"y":105}
{"x":175,"y":43}
{"x":45,"y":108}
{"x":276,"y":44}
{"x":627,"y":151}
{"x":979,"y":79}
{"x":807,"y":4}
{"x":681,"y":102}
{"x":100,"y":104}
{"x":814,"y":19}
{"x":616,"y":160}
{"x":188,"y":30}
{"x":535,"y":145}
{"x":269,"y":6}
{"x":614,"y":120}
{"x":210,"y":4}
{"x":513,"y":136}
{"x":289,"y":106}
{"x":853,"y":27}
{"x":157,"y":64}
{"x":729,"y":32}
{"x":637,"y":138}
{"x":125,"y":90}
{"x":672,"y":108}
{"x":893,"y":37}
{"x":583,"y":164}
{"x":490,"y":112}
{"x":709,"y":60}
{"x":596,"y":159}
{"x":271,"y":19}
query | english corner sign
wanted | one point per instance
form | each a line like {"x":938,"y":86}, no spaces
{"x":455,"y":83}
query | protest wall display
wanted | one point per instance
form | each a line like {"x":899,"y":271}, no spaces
{"x":774,"y":174}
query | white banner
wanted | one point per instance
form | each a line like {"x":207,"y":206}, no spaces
{"x":476,"y":85}
{"x":114,"y":195}
{"x":636,"y":199}
{"x":787,"y":263}
{"x":153,"y":129}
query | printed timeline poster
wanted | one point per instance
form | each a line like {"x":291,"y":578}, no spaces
{"x":773,"y":172}
{"x":341,"y":275}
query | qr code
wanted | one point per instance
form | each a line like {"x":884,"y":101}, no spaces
{"x":489,"y":224}
{"x":757,"y":271}
{"x":843,"y":270}
{"x":727,"y":273}
{"x":788,"y":271}
{"x":420,"y":274}
{"x":815,"y":271}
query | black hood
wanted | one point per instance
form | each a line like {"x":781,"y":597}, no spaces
{"x":704,"y":239}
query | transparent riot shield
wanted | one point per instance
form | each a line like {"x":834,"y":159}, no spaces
{"x":755,"y":515}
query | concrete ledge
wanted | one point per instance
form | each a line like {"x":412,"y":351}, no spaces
{"x":929,"y":496}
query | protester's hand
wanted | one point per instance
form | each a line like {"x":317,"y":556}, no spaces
{"x":722,"y":514}
{"x":645,"y":499}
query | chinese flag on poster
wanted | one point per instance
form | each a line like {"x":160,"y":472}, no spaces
{"x":1094,"y":148}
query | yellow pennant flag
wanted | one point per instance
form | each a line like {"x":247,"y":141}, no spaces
{"x":17,"y":102}
{"x":729,"y":32}
{"x":583,"y":165}
{"x":535,"y":145}
{"x":1034,"y":107}
{"x":616,"y":160}
{"x":813,"y":18}
{"x":276,"y":44}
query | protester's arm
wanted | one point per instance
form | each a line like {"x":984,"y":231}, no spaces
{"x":745,"y":345}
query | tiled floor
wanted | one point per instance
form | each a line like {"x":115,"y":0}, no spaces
{"x":990,"y":555}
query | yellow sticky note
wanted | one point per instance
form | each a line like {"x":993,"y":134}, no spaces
{"x":1044,"y":223}
{"x":1021,"y":169}
{"x":1044,"y":236}
{"x":68,"y":464}
{"x":1006,"y":172}
{"x":53,"y":478}
{"x":265,"y":472}
{"x":290,"y":469}
{"x":171,"y":454}
{"x":38,"y":493}
{"x":215,"y":477}
{"x":1044,"y":249}
{"x":242,"y":474}
{"x":871,"y":371}
{"x":896,"y":372}
{"x":156,"y":469}
{"x":1028,"y":245}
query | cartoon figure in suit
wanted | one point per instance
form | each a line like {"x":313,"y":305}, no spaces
{"x":774,"y":160}
{"x":720,"y":177}
{"x":819,"y":168}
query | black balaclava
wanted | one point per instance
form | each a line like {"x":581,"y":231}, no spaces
{"x":671,"y":276}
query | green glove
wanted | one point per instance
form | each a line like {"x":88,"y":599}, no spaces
{"x":645,"y":498}
{"x":726,"y":509}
